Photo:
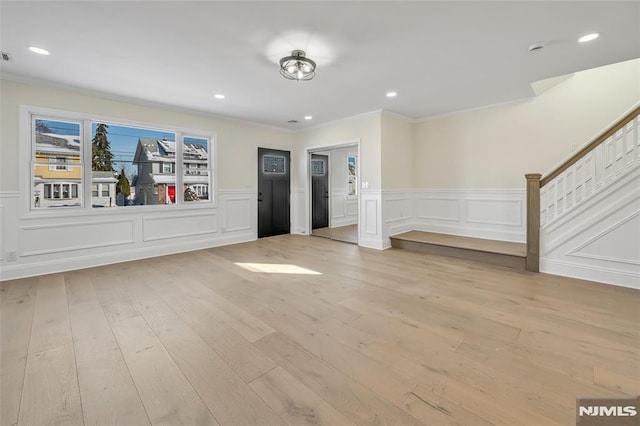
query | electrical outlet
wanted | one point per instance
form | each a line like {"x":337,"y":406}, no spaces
{"x":12,"y":256}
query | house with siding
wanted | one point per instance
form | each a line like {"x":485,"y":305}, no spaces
{"x":155,"y":182}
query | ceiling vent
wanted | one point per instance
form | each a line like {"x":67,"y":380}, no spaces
{"x":292,"y":121}
{"x":6,"y":57}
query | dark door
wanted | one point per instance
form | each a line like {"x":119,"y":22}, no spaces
{"x":319,"y":191}
{"x":273,"y":192}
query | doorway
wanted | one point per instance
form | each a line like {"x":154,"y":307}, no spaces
{"x":274,"y":192}
{"x":333,"y":174}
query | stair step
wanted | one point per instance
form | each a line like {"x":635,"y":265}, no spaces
{"x":503,"y":253}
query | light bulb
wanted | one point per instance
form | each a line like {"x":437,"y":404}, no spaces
{"x":588,"y":37}
{"x":38,"y":50}
{"x":300,"y":74}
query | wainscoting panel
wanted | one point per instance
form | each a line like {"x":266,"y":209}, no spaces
{"x":371,"y":217}
{"x":352,"y":208}
{"x":8,"y":226}
{"x":338,"y":207}
{"x":371,"y":230}
{"x":238,"y":213}
{"x":60,"y":242}
{"x":437,"y":208}
{"x":64,"y":237}
{"x":495,"y":211}
{"x":490,"y":214}
{"x":184,"y":225}
{"x":344,"y":209}
{"x":398,"y":212}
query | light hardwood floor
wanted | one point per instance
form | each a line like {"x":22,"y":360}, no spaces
{"x":361,"y":337}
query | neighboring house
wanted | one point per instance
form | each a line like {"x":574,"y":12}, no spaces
{"x":57,"y":175}
{"x":155,"y":182}
{"x":103,"y":189}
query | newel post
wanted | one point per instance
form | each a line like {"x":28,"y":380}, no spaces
{"x":533,"y":222}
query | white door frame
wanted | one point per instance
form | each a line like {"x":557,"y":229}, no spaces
{"x":319,"y":148}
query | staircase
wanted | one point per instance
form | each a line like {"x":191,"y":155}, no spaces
{"x":502,"y":253}
{"x":601,"y":163}
{"x":583,"y":218}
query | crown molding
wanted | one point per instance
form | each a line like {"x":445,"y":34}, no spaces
{"x":398,"y":116}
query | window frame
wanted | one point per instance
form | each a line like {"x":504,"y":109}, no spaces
{"x":28,"y":114}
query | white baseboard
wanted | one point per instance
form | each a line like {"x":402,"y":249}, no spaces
{"x":375,"y":243}
{"x":591,"y":273}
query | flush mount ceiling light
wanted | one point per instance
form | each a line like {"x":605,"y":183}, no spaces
{"x":588,"y":37}
{"x":297,"y":66}
{"x":39,"y":50}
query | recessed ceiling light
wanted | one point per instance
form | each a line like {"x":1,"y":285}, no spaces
{"x":391,"y":94}
{"x":219,"y":96}
{"x":308,"y":117}
{"x":588,"y":37}
{"x":39,"y":50}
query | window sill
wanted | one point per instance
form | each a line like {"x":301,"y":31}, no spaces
{"x":116,"y":211}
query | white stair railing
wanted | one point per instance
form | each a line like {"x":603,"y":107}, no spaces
{"x":608,"y":161}
{"x":607,"y":158}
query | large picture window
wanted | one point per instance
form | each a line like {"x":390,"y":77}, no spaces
{"x":130,"y":165}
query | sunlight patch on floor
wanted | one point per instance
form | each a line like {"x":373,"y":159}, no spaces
{"x":277,"y":268}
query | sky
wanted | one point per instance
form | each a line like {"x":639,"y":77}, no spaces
{"x":123,"y":140}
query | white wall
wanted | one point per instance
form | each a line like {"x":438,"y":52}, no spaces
{"x":70,"y":240}
{"x":492,"y":148}
{"x":365,"y":129}
{"x":397,"y":152}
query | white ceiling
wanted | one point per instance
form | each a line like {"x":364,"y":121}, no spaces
{"x":439,"y":56}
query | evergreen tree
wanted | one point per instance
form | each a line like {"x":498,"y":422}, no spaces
{"x":41,"y":127}
{"x":123,"y":186}
{"x":102,"y":158}
{"x":190,"y":195}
